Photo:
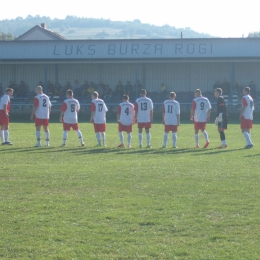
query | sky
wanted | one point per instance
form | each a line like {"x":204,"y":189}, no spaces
{"x":222,"y":18}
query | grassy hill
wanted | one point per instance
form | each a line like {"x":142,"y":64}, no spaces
{"x":73,"y":27}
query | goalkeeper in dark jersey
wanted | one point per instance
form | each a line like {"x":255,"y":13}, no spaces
{"x":221,"y":119}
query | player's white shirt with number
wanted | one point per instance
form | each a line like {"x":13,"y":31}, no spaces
{"x":248,"y":112}
{"x":43,"y":109}
{"x":71,"y":113}
{"x":100,"y":111}
{"x":4,"y":100}
{"x":201,"y":105}
{"x":144,"y":105}
{"x":126,"y":113}
{"x":171,"y":109}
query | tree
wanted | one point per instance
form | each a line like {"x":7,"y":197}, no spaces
{"x":254,"y":35}
{"x":6,"y":37}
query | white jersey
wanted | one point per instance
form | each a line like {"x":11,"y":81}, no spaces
{"x":5,"y":100}
{"x":143,"y":106}
{"x":126,"y":113}
{"x":171,"y":108}
{"x":70,"y":107}
{"x":99,"y":108}
{"x":200,"y":105}
{"x":43,"y":104}
{"x":248,"y":103}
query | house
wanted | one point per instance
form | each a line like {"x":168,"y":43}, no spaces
{"x":40,"y":33}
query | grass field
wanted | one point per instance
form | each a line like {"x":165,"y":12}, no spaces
{"x":109,"y":203}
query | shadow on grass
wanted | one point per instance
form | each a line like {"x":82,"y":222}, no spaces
{"x":120,"y":151}
{"x":218,"y":151}
{"x":252,"y":155}
{"x":27,"y":149}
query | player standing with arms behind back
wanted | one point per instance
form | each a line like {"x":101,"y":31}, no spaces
{"x":4,"y":116}
{"x":125,"y":119}
{"x":246,"y":116}
{"x":69,"y":116}
{"x":221,"y":119}
{"x":41,"y":111}
{"x":98,"y":117}
{"x":171,"y":119}
{"x":144,"y":117}
{"x":200,"y":114}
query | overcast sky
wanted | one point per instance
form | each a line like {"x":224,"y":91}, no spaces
{"x":223,"y":18}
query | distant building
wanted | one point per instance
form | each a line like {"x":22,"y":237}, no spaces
{"x":40,"y":33}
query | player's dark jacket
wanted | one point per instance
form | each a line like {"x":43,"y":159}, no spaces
{"x":221,"y":107}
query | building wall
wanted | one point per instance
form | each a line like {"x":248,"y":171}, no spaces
{"x":182,"y":76}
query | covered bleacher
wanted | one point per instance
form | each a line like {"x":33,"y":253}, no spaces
{"x":233,"y":103}
{"x":183,"y":64}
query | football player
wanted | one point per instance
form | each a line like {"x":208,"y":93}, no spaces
{"x":200,"y":115}
{"x":144,"y":117}
{"x":69,"y":117}
{"x":221,"y":119}
{"x":125,"y":119}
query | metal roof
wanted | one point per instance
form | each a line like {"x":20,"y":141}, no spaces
{"x":130,"y":50}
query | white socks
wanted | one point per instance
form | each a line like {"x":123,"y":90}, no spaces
{"x":121,"y":137}
{"x":247,"y":137}
{"x":174,"y":139}
{"x":2,"y":136}
{"x":129,"y":138}
{"x":38,"y":136}
{"x":206,"y":136}
{"x":47,"y":137}
{"x":140,"y":137}
{"x":65,"y":136}
{"x":165,"y":139}
{"x":148,"y":139}
{"x":197,"y":139}
{"x":98,"y":138}
{"x":80,"y":136}
{"x":6,"y":135}
{"x":103,"y":134}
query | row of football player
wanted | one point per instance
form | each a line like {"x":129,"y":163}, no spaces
{"x":127,"y":113}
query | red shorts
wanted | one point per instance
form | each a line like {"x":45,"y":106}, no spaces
{"x":199,"y":125}
{"x":4,"y":120}
{"x":66,"y":126}
{"x":145,"y":125}
{"x":99,"y":128}
{"x":40,"y":122}
{"x":125,"y":128}
{"x":168,"y":128}
{"x":246,"y":123}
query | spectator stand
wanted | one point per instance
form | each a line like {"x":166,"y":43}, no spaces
{"x":233,"y":102}
{"x":56,"y":102}
{"x":19,"y":104}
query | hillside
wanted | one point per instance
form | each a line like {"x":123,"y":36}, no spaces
{"x":73,"y":27}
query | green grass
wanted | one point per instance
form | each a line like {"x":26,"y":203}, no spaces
{"x":108,"y":203}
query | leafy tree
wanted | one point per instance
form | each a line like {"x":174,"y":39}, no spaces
{"x":6,"y":37}
{"x":254,"y":35}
